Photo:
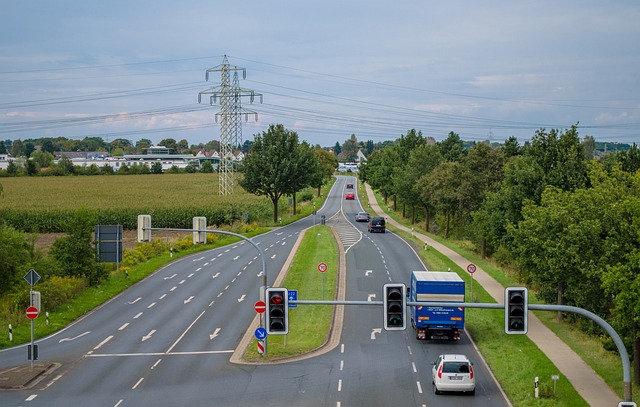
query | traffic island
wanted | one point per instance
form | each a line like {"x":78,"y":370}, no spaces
{"x":24,"y":376}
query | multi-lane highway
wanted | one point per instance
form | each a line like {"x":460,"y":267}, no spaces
{"x":167,"y":341}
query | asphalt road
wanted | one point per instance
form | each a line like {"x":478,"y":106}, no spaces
{"x":167,"y":340}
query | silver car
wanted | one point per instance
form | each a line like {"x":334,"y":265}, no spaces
{"x":362,"y":217}
{"x":453,"y":373}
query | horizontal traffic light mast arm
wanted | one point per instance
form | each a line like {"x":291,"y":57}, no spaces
{"x":626,"y":367}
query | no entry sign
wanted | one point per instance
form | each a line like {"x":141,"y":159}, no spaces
{"x":32,"y":312}
{"x":260,"y":307}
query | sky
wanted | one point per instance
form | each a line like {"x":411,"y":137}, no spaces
{"x":327,"y":70}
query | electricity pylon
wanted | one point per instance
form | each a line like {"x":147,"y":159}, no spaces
{"x":229,"y":95}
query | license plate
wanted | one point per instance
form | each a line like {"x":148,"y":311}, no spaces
{"x":455,"y":377}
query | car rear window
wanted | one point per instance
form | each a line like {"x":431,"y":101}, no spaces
{"x":455,"y":367}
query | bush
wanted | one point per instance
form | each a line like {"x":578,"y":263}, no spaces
{"x":57,"y":290}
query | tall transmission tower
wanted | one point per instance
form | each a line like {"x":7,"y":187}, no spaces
{"x":229,"y":95}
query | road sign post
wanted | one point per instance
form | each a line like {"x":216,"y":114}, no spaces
{"x":32,"y":277}
{"x":322,"y":268}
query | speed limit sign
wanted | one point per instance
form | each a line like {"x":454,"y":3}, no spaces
{"x":322,"y":267}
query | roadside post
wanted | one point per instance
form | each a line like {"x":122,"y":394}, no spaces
{"x":32,"y":277}
{"x":322,"y":267}
{"x":471,"y":268}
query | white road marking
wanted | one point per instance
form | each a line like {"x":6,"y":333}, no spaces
{"x":215,"y":275}
{"x":366,"y":273}
{"x":339,"y":384}
{"x":214,"y":334}
{"x":134,"y":301}
{"x":137,"y":315}
{"x":149,"y":335}
{"x":74,"y":338}
{"x":126,"y":324}
{"x":137,"y":384}
{"x":162,"y":296}
{"x":188,"y":300}
{"x":370,"y":297}
{"x":156,"y":364}
{"x":241,"y":298}
{"x":419,"y":387}
{"x":31,"y":397}
{"x":151,"y":305}
{"x":107,"y":339}
{"x":375,"y":331}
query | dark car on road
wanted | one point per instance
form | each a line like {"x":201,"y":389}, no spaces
{"x":377,"y":224}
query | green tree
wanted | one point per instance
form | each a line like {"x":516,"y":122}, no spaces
{"x":30,"y":168}
{"x":156,"y":167}
{"x":452,"y":148}
{"x":441,"y":187}
{"x":169,"y":143}
{"x":337,"y":149}
{"x":328,"y":164}
{"x":349,"y":149}
{"x":42,"y":158}
{"x":17,"y":148}
{"x":206,"y":167}
{"x":75,"y":253}
{"x":16,"y":253}
{"x":270,"y":168}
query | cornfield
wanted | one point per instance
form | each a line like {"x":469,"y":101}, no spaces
{"x":46,"y":204}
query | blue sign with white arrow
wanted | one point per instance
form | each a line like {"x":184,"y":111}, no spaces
{"x":261,"y":333}
{"x":293,"y":296}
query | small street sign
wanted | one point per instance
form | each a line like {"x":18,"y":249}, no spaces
{"x":260,"y":333}
{"x":260,"y":307}
{"x":471,"y":268}
{"x":322,"y":267}
{"x":293,"y":296}
{"x":32,"y":312}
{"x":32,"y":277}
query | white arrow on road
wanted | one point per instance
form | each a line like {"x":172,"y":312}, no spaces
{"x":375,"y":331}
{"x":273,"y":257}
{"x":75,"y":337}
{"x":188,"y":300}
{"x":241,"y":298}
{"x":371,"y":297}
{"x":236,"y":258}
{"x":216,"y":275}
{"x":215,"y":333}
{"x":170,"y":277}
{"x":366,"y":273}
{"x":134,"y":301}
{"x":148,"y":336}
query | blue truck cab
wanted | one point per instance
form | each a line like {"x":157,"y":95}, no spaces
{"x":432,"y":322}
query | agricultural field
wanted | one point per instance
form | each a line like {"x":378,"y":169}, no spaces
{"x":45,"y":204}
{"x":115,"y":191}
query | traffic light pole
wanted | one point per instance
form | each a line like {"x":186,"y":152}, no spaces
{"x":624,"y":356}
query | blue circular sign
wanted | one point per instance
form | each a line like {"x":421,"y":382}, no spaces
{"x":261,"y":333}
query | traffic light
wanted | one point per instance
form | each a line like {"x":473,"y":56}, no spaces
{"x":395,"y":305}
{"x":515,"y":310}
{"x":277,"y":311}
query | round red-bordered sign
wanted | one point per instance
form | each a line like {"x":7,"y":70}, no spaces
{"x":471,"y":268}
{"x":260,"y":307}
{"x":322,"y":267}
{"x":32,"y":312}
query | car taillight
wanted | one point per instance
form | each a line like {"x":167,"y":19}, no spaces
{"x":440,"y":372}
{"x":470,"y":372}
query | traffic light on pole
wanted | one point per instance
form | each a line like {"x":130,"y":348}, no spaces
{"x":515,"y":310}
{"x":395,"y":305}
{"x":277,"y":311}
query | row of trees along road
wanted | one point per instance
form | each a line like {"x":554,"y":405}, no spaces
{"x":279,"y":165}
{"x":567,"y":224}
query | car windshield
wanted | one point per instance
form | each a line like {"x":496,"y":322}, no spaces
{"x":455,"y":367}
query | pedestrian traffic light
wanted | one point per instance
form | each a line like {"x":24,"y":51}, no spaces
{"x":515,"y":310}
{"x":395,"y":305}
{"x":277,"y":311}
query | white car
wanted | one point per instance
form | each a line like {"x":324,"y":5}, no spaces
{"x":453,"y":373}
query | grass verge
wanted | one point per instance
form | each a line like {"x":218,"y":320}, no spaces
{"x":309,"y":325}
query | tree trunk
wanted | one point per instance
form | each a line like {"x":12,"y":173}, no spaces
{"x":395,"y":203}
{"x":426,"y":217}
{"x":413,"y":214}
{"x":484,"y":247}
{"x":275,"y":209}
{"x":446,"y":229}
{"x":294,"y":204}
{"x":319,"y":191}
